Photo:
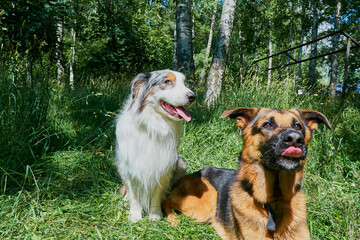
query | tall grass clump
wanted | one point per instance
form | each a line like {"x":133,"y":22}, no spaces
{"x":84,"y":117}
{"x":23,"y":126}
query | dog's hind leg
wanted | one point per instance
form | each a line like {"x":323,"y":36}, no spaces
{"x":179,"y":171}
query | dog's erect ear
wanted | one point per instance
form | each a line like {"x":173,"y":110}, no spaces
{"x":314,"y":118}
{"x":243,"y":115}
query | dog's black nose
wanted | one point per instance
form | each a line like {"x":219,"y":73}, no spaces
{"x":292,"y":138}
{"x":191,"y":96}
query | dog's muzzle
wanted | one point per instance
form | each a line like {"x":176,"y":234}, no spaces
{"x":288,"y":151}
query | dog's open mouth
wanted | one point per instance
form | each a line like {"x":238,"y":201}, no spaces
{"x":174,"y":111}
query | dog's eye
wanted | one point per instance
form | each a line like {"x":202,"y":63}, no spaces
{"x":267,"y":125}
{"x":298,"y":126}
{"x":168,"y":82}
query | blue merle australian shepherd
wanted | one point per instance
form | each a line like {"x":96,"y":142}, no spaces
{"x":148,"y":130}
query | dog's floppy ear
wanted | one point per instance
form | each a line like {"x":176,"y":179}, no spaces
{"x":137,"y":82}
{"x":139,"y":89}
{"x":243,"y":115}
{"x":314,"y":118}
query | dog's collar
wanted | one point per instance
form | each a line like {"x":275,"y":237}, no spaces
{"x":271,"y":224}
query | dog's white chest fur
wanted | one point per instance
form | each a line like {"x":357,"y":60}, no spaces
{"x":147,"y":151}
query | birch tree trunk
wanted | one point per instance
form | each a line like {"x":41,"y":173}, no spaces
{"x":335,"y":63}
{"x":175,"y":43}
{"x":28,"y":67}
{"x":218,"y":64}
{"x":184,"y":50}
{"x":254,"y":20}
{"x":208,"y":46}
{"x":211,"y":33}
{"x":72,"y":58}
{"x":290,"y":40}
{"x":312,"y":64}
{"x":270,"y":63}
{"x":28,"y":63}
{"x":301,"y":42}
{"x":59,"y":52}
{"x":73,"y":47}
{"x":241,"y":70}
{"x":193,"y":32}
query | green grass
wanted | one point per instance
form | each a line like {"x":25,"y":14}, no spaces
{"x":68,"y":190}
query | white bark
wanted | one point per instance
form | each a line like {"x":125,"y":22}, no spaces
{"x":28,"y":70}
{"x":208,"y":46}
{"x":59,"y":54}
{"x":174,"y":55}
{"x":193,"y":31}
{"x":72,"y":58}
{"x":290,"y":40}
{"x":254,"y":20}
{"x":270,"y":63}
{"x":335,"y":63}
{"x":73,"y":46}
{"x":211,"y":33}
{"x":301,"y":41}
{"x":218,"y":64}
{"x":312,"y":64}
{"x":241,"y":70}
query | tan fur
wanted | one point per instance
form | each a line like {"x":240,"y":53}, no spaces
{"x":122,"y":190}
{"x":151,"y":92}
{"x":289,"y":206}
{"x":195,"y":197}
{"x":279,"y":189}
{"x":171,"y":77}
{"x":136,"y":89}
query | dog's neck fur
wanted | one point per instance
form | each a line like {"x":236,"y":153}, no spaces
{"x":269,"y":185}
{"x":155,"y":123}
{"x":274,"y":192}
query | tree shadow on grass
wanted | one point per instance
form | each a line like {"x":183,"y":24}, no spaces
{"x":73,"y":174}
{"x":77,"y":123}
{"x":85,"y":118}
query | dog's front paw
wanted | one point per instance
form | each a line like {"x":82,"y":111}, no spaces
{"x":135,"y":216}
{"x":155,"y":216}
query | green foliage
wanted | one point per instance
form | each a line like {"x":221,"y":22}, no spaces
{"x":27,"y":25}
{"x":123,"y":36}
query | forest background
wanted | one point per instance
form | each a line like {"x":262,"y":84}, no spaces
{"x":65,"y":69}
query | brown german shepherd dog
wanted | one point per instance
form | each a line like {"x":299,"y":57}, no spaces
{"x":263,"y":199}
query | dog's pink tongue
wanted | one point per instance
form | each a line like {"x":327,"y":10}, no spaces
{"x":183,"y":113}
{"x":292,"y":152}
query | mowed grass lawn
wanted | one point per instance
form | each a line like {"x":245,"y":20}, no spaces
{"x":72,"y":192}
